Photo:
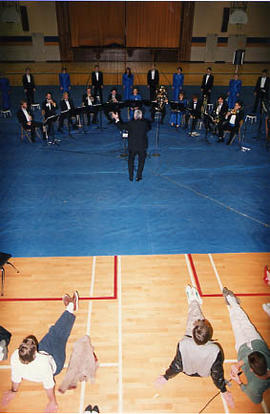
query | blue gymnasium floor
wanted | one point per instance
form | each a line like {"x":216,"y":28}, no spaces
{"x":75,"y":199}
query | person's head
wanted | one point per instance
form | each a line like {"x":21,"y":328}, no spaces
{"x":48,"y":96}
{"x":128,"y":71}
{"x":220,"y":100}
{"x":153,"y":66}
{"x":64,"y":70}
{"x":257,"y":363}
{"x":179,"y":69}
{"x":137,"y":114}
{"x":23,"y":104}
{"x":96,"y":68}
{"x":28,"y":349}
{"x":88,"y":91}
{"x":237,"y":105}
{"x":113,"y":91}
{"x":235,"y":76}
{"x":209,"y":70}
{"x":202,"y":331}
{"x":181,"y":95}
{"x":27,"y":70}
{"x":195,"y":98}
{"x":264,"y":73}
{"x":65,"y":96}
{"x":135,"y":91}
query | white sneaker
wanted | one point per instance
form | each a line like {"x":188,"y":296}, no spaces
{"x":266,"y":308}
{"x":196,"y":295}
{"x":193,"y":134}
{"x":189,"y":294}
{"x":196,"y":134}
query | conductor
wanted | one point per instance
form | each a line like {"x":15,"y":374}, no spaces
{"x":137,"y":141}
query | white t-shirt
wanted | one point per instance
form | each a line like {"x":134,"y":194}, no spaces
{"x":41,"y":369}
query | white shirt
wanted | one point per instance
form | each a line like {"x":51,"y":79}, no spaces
{"x":195,"y":105}
{"x":28,"y":78}
{"x":97,"y":74}
{"x":232,"y":119}
{"x":153,"y":74}
{"x":206,"y":79}
{"x":48,"y":104}
{"x":218,"y":109}
{"x":262,"y":82}
{"x":89,"y":100}
{"x":68,"y":104}
{"x":41,"y":369}
{"x":26,"y":114}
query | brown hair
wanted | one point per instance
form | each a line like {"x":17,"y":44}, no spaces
{"x":202,"y":331}
{"x":257,"y":363}
{"x":28,"y":349}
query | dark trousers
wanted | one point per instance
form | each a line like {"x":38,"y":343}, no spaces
{"x":32,"y":128}
{"x":97,"y":91}
{"x":260,"y":96}
{"x":152,"y":91}
{"x":141,"y":161}
{"x":65,"y":115}
{"x":163,"y":113}
{"x":94,"y":112}
{"x":54,"y":342}
{"x":193,"y":123}
{"x":208,"y":94}
{"x":209,"y":124}
{"x":233,"y":130}
{"x":30,"y":96}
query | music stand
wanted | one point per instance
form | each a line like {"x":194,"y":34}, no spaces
{"x":4,"y":259}
{"x":157,"y":119}
{"x":124,"y":135}
{"x":52,"y":118}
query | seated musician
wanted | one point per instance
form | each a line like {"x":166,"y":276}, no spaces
{"x":26,"y":119}
{"x":135,"y":96}
{"x":114,"y":98}
{"x":216,"y":118}
{"x":177,"y":114}
{"x":66,"y":107}
{"x":194,"y":109}
{"x":88,"y":100}
{"x":159,"y":104}
{"x":233,"y":121}
{"x":48,"y":110}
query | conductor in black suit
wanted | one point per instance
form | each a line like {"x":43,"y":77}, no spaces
{"x":137,"y":141}
{"x":153,"y":81}
{"x":97,"y":82}
{"x":29,"y":86}
{"x":261,"y":90}
{"x":207,"y":84}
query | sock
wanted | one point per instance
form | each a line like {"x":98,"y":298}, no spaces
{"x":70,"y":307}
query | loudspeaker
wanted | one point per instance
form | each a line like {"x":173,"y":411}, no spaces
{"x":225,"y":19}
{"x":24,"y":18}
{"x":238,"y":57}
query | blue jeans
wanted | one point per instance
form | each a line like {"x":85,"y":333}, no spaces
{"x":54,"y":342}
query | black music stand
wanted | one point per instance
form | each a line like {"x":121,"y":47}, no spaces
{"x":54,"y":141}
{"x":81,"y":110}
{"x":100,"y":107}
{"x":124,"y":135}
{"x":157,"y":119}
{"x":4,"y":259}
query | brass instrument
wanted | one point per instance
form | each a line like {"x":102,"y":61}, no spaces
{"x":204,"y":105}
{"x":161,"y":99}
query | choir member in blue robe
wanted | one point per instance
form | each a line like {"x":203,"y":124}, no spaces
{"x":64,"y":81}
{"x":176,"y":116}
{"x":135,"y":96}
{"x":234,"y":90}
{"x":5,"y":91}
{"x":178,"y":82}
{"x":127,"y":82}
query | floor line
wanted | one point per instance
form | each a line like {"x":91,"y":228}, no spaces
{"x":191,"y":275}
{"x":227,"y":207}
{"x":120,"y":350}
{"x":88,"y":327}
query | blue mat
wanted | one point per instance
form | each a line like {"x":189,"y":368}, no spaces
{"x":75,"y":199}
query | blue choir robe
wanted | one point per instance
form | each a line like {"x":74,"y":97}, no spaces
{"x":176,"y":117}
{"x":178,"y":81}
{"x":134,"y":98}
{"x":234,"y":89}
{"x":64,"y":81}
{"x":5,"y":89}
{"x":127,"y":82}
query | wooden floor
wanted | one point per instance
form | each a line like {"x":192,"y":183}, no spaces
{"x":136,"y":331}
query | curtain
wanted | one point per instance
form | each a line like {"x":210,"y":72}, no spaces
{"x":97,"y":23}
{"x":153,"y":24}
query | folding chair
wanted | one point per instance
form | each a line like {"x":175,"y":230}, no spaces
{"x":4,"y":259}
{"x":26,"y":134}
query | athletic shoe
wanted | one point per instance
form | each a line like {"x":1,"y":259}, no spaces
{"x":266,"y":308}
{"x":196,"y":295}
{"x":230,"y":297}
{"x":266,"y":276}
{"x":196,"y":134}
{"x":95,"y":409}
{"x":75,"y":300}
{"x":189,"y":294}
{"x":88,"y":409}
{"x":66,"y":299}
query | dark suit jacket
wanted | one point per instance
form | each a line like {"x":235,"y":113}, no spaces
{"x":26,"y":84}
{"x":209,"y":84}
{"x":117,"y":96}
{"x":223,"y":111}
{"x":195,"y":112}
{"x":85,"y":100}
{"x":266,"y":85}
{"x":239,"y":117}
{"x":100,"y":79}
{"x":137,"y":133}
{"x":47,"y":110}
{"x":22,"y":119}
{"x":63,"y":106}
{"x":154,"y":81}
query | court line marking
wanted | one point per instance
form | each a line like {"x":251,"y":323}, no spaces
{"x":263,"y":404}
{"x":120,"y":338}
{"x":88,"y":327}
{"x":227,"y":207}
{"x":214,"y":295}
{"x":33,"y":299}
